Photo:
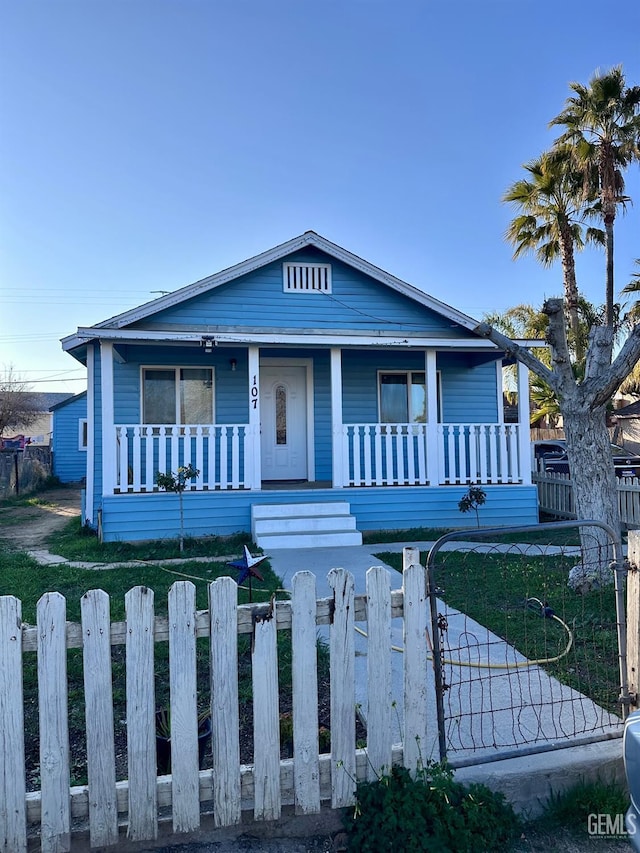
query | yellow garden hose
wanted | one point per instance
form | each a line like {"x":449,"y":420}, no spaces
{"x":519,"y":664}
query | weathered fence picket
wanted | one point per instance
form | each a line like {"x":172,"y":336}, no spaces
{"x":101,"y":764}
{"x":184,"y":707}
{"x":555,"y":496}
{"x":306,"y":765}
{"x":223,"y":611}
{"x":343,"y":696}
{"x":54,"y":724}
{"x":13,"y":826}
{"x":141,"y":742}
{"x":379,"y":730}
{"x":415,"y":665}
{"x":266,"y":715}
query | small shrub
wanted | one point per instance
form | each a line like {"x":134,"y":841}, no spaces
{"x":431,"y":812}
{"x":471,"y":500}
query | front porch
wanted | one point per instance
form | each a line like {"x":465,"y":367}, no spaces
{"x":228,"y":456}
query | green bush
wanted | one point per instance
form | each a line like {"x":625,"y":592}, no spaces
{"x":431,"y":812}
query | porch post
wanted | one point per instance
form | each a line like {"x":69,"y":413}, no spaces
{"x":336,"y":418}
{"x":108,"y":419}
{"x":254,"y":459}
{"x":524,"y":429}
{"x":432,"y":437}
{"x":91,"y":432}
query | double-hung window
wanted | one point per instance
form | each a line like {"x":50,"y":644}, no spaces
{"x":402,"y":396}
{"x":177,"y":395}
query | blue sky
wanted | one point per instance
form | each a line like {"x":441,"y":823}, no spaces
{"x":145,"y":145}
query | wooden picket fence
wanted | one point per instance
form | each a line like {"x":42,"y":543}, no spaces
{"x":109,"y":808}
{"x":555,"y":496}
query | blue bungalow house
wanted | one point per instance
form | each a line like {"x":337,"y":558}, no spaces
{"x":69,"y":438}
{"x":317,"y":395}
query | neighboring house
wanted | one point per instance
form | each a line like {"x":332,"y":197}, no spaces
{"x":69,"y":444}
{"x":40,"y":430}
{"x":302,"y":382}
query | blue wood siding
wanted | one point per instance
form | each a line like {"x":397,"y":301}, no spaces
{"x":156,"y":516}
{"x":69,"y":461}
{"x":231,"y":397}
{"x":468,"y":384}
{"x":469,"y":388}
{"x":357,"y":302}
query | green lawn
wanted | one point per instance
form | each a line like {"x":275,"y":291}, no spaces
{"x":549,"y":536}
{"x":75,"y":542}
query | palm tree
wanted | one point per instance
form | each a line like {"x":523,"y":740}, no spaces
{"x":631,"y":384}
{"x":602,"y":124}
{"x":551,"y":222}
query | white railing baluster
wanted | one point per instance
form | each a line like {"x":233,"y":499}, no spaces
{"x":123,"y":457}
{"x":199,"y":457}
{"x":162,"y":450}
{"x":213,"y":455}
{"x":174,"y":432}
{"x":224,"y":450}
{"x":151,"y":444}
{"x":493,"y":454}
{"x":235,"y":458}
{"x":389,"y":467}
{"x":357,"y":476}
{"x":367,"y":455}
{"x":378,"y":455}
{"x":137,"y":449}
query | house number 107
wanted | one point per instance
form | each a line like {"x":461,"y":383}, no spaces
{"x":254,"y":393}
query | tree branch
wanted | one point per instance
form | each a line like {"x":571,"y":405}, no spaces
{"x":519,"y":353}
{"x":599,"y":388}
{"x":557,"y":340}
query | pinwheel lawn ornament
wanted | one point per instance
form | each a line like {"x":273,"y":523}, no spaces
{"x":246,"y":566}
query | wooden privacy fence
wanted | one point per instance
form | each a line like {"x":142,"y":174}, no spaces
{"x":108,"y":806}
{"x":555,"y":496}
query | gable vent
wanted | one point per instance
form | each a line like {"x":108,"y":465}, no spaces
{"x":305,"y":278}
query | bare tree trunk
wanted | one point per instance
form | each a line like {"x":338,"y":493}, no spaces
{"x":595,"y":493}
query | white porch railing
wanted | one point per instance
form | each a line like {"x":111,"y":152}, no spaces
{"x":384,"y":454}
{"x":479,"y":453}
{"x":396,"y":454}
{"x":218,"y":451}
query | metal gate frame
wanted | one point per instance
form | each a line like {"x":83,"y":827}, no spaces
{"x":619,"y":569}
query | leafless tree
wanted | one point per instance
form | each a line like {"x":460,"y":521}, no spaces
{"x":18,"y":403}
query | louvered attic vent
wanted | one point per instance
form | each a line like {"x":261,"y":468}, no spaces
{"x":305,"y":278}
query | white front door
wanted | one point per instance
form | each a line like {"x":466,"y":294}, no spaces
{"x":283,"y":409}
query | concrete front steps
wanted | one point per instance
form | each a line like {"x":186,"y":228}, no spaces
{"x":307,"y":525}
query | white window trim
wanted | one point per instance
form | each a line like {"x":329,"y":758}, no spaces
{"x":83,"y":433}
{"x":287,"y":265}
{"x":175,"y":369}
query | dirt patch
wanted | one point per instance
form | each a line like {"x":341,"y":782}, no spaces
{"x":27,"y":526}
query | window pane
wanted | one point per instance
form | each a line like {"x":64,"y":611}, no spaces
{"x":281,"y":415}
{"x":196,"y":395}
{"x":394,"y":402}
{"x":159,"y":397}
{"x":418,"y":398}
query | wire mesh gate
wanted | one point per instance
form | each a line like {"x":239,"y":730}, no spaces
{"x":522,"y":662}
